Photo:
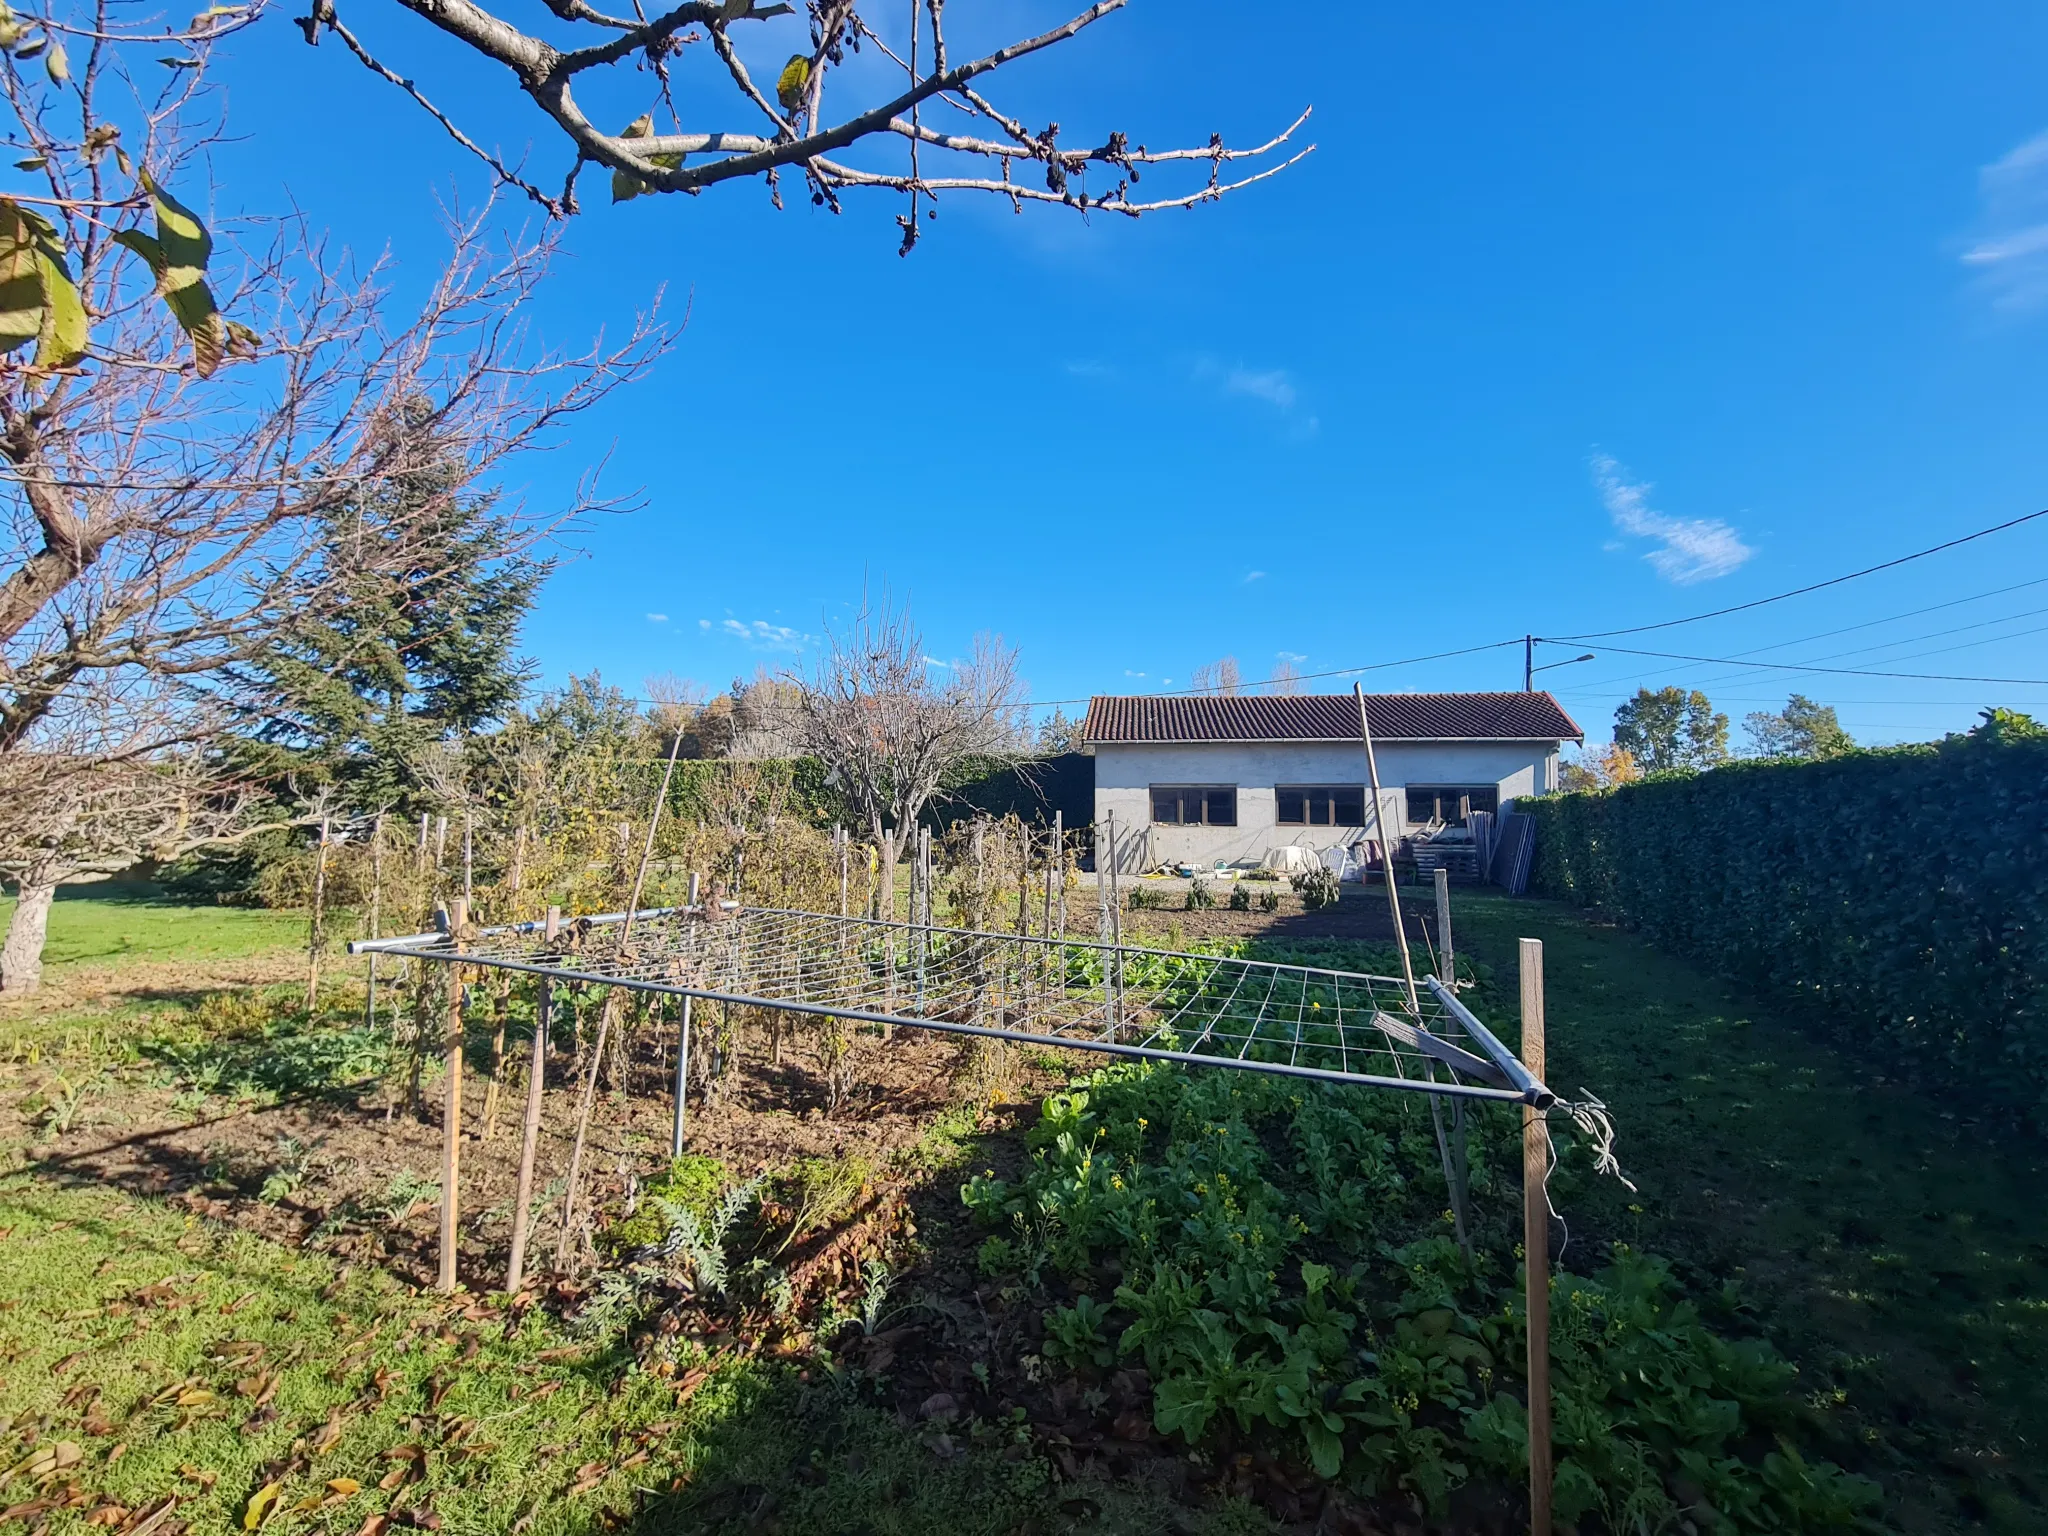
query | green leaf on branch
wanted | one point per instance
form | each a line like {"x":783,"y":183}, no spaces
{"x":625,"y":185}
{"x":38,"y":300}
{"x":177,"y":256}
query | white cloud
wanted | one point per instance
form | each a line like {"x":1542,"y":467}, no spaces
{"x":1271,"y":385}
{"x":762,"y":635}
{"x":1129,"y":673}
{"x":657,"y":618}
{"x":1689,"y":549}
{"x":933,"y":661}
{"x":703,"y":623}
{"x":1252,"y":576}
{"x":1296,"y":657}
{"x":2010,"y":255}
{"x":1089,"y":368}
{"x":1274,"y":386}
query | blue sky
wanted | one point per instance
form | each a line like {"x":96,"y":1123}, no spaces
{"x":1580,"y":317}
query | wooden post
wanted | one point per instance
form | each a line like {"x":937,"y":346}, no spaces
{"x":419,"y":857}
{"x":839,"y":841}
{"x":440,"y":842}
{"x":451,"y":1112}
{"x":675,"y":1139}
{"x":1059,"y":848}
{"x":1116,"y":932}
{"x":1448,"y":960}
{"x":468,"y":855}
{"x":376,"y":911}
{"x":1536,"y":1241}
{"x":693,"y":888}
{"x":536,"y":1086}
{"x":1379,"y":822}
{"x":316,"y":939}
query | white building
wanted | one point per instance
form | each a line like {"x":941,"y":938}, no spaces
{"x":1209,"y":780}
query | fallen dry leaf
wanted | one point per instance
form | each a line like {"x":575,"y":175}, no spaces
{"x":588,"y":1476}
{"x":260,"y":1505}
{"x":329,"y":1436}
{"x":148,"y":1518}
{"x":373,"y":1525}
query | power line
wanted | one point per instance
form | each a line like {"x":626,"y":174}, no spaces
{"x":1784,"y":666}
{"x":1299,"y":677}
{"x":1817,"y":586}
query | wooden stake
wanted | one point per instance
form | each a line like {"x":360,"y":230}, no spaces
{"x":440,"y":842}
{"x":1536,"y":1241}
{"x":839,"y":841}
{"x":675,"y":1139}
{"x":376,"y":911}
{"x":1448,"y":959}
{"x":451,"y":1112}
{"x":468,"y":856}
{"x":536,"y":1086}
{"x":1379,"y":823}
{"x":1059,"y":850}
{"x":316,"y":940}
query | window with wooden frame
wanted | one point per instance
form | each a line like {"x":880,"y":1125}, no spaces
{"x":1450,"y":803}
{"x":1194,"y":805}
{"x":1319,"y":805}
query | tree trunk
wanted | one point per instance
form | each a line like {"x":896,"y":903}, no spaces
{"x":21,"y":961}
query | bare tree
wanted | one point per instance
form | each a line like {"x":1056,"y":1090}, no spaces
{"x":1221,"y":677}
{"x":187,"y":457}
{"x":108,"y":787}
{"x":890,"y":723}
{"x":968,"y":145}
{"x":1286,"y":678}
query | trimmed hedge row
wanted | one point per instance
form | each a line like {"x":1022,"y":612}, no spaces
{"x":1903,"y":891}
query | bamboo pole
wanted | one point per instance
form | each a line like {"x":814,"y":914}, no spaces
{"x":536,"y":1087}
{"x":451,"y":1112}
{"x":316,"y":938}
{"x":1536,"y":1241}
{"x":604,"y":1019}
{"x":1379,"y":822}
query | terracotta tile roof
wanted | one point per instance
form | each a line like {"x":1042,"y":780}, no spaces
{"x":1329,"y":717}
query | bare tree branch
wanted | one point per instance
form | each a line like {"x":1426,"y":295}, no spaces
{"x":799,"y":133}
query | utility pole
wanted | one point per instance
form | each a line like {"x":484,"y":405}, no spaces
{"x":1528,"y":663}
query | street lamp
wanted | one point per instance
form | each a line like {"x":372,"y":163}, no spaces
{"x":1530,"y":669}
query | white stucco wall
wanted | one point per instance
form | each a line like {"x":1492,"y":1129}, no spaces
{"x":1125,"y":774}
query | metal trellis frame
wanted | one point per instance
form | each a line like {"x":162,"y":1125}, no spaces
{"x":1299,"y":1021}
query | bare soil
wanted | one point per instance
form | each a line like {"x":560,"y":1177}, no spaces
{"x":766,"y":1114}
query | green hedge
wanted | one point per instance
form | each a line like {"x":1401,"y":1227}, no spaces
{"x":1904,"y":891}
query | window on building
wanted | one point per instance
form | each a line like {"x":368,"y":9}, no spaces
{"x":1320,"y":805}
{"x":1450,"y":803}
{"x":1195,"y":805}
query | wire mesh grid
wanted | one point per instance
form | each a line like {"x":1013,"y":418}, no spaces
{"x":1206,"y":1010}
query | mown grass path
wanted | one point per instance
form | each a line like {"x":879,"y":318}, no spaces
{"x":1893,"y":1244}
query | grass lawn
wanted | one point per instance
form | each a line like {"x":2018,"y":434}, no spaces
{"x":1894,"y":1247}
{"x":129,"y":920}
